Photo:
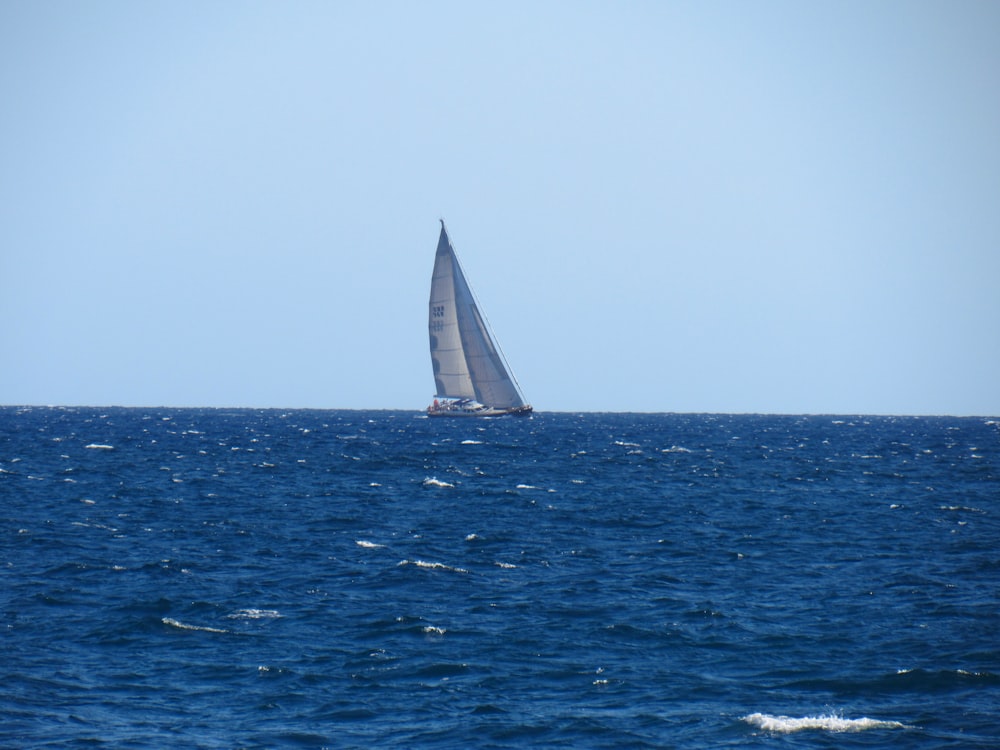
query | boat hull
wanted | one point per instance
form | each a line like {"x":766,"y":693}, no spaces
{"x":477,"y":410}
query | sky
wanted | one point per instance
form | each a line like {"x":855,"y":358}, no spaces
{"x":766,"y":207}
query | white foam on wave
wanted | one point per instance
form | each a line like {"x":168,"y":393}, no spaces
{"x":367,"y":544}
{"x":435,"y":482}
{"x":788,"y":724}
{"x":676,"y":449}
{"x":100,"y":447}
{"x":254,"y":614}
{"x":431,"y":565}
{"x":962,"y":508}
{"x":472,"y":442}
{"x":184,"y":626}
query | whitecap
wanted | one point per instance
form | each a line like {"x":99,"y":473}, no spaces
{"x":368,"y":545}
{"x":431,"y":565}
{"x":100,"y":447}
{"x":433,"y":630}
{"x":183,"y":626}
{"x":788,"y":724}
{"x":435,"y":482}
{"x":625,"y":444}
{"x":255,"y":614}
{"x":504,"y":565}
{"x":676,"y":449}
{"x":472,"y":442}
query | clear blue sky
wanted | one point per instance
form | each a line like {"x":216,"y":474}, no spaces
{"x":708,"y":206}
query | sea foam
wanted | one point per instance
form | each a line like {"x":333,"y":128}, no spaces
{"x":435,"y":482}
{"x":254,"y":614}
{"x":431,"y":565}
{"x":184,"y":626}
{"x":788,"y":724}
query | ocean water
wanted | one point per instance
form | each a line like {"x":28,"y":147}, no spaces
{"x":261,"y":578}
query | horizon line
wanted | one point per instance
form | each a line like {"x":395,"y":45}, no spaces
{"x":537,"y":411}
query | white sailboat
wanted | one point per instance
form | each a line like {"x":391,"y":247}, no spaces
{"x":471,"y":376}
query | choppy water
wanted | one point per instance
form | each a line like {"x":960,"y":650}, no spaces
{"x":243,"y":578}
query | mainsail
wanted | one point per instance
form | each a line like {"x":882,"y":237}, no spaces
{"x":467,"y":362}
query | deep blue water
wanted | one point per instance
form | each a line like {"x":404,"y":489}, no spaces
{"x":247,"y":578}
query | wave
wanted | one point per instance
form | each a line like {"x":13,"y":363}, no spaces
{"x":254,"y":614}
{"x":100,"y":447}
{"x":962,"y":508}
{"x":934,"y":680}
{"x":788,"y":724}
{"x":432,"y":565}
{"x":367,"y":544}
{"x":184,"y":626}
{"x":435,"y":482}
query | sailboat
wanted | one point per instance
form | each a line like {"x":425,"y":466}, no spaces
{"x":471,"y":376}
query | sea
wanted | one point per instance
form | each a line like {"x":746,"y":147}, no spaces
{"x":245,"y":578}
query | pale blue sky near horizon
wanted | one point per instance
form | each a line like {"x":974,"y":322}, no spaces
{"x":774,"y":207}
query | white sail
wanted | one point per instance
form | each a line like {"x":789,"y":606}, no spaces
{"x":467,"y":363}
